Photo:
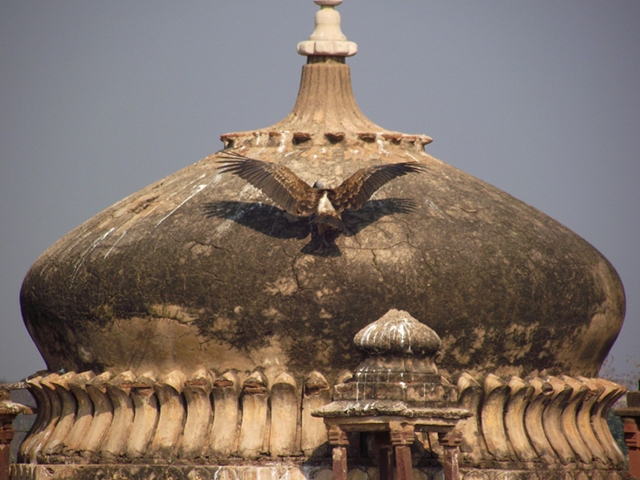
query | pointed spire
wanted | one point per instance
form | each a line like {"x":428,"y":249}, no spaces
{"x":326,"y":112}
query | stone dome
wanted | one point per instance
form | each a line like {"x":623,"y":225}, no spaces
{"x":201,"y":270}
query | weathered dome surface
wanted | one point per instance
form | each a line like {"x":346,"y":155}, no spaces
{"x":202,"y":270}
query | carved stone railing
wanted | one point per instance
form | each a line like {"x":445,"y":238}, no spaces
{"x":119,"y":418}
{"x":559,"y":421}
{"x":533,"y":423}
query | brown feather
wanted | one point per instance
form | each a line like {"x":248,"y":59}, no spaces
{"x":292,"y":194}
{"x":356,"y":190}
{"x":277,"y":182}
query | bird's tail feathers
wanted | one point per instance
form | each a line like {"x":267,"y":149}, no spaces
{"x":330,"y":220}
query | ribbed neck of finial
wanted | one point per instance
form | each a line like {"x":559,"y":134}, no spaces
{"x":325,"y":100}
{"x":325,"y":110}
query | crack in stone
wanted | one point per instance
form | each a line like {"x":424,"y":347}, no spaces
{"x":295,"y":273}
{"x":201,"y":243}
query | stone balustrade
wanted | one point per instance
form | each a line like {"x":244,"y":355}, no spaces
{"x":537,"y":422}
{"x":554,"y":420}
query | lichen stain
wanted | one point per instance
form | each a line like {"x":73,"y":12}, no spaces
{"x":175,"y":312}
{"x":304,"y":268}
{"x":589,"y":344}
{"x":157,"y":343}
{"x":85,"y":355}
{"x":224,"y":323}
{"x":103,"y":311}
{"x":165,"y":344}
{"x":325,"y":352}
{"x":285,"y":286}
{"x":461,"y":358}
{"x":479,"y":341}
{"x":463,"y":348}
{"x":271,"y":312}
{"x":517,"y":342}
{"x":448,"y":341}
{"x":586,"y":344}
{"x":198,"y":250}
{"x":353,"y":256}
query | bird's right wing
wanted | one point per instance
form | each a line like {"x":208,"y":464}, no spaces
{"x":356,"y":190}
{"x":277,"y":182}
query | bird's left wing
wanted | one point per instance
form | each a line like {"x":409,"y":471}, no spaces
{"x":277,"y":182}
{"x":358,"y":188}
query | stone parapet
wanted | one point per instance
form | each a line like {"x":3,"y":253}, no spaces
{"x":541,"y":420}
{"x":122,"y":418}
{"x":536,"y":424}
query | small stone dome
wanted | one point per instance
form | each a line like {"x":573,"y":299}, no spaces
{"x":201,"y":270}
{"x":397,"y":332}
{"x":397,"y":344}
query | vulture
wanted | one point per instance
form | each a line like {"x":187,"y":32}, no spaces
{"x":323,"y":205}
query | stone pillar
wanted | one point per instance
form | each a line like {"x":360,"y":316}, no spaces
{"x":496,"y":395}
{"x":385,"y":461}
{"x":402,"y":438}
{"x":6,"y":435}
{"x":631,"y":420}
{"x":450,"y":441}
{"x":8,"y":412}
{"x":632,"y":441}
{"x":84,"y":415}
{"x":339,"y":441}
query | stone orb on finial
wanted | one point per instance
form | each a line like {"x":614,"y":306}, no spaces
{"x":327,"y":39}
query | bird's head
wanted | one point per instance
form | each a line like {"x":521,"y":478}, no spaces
{"x":318,"y":184}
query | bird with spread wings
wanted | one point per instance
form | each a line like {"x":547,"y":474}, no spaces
{"x":324,"y":205}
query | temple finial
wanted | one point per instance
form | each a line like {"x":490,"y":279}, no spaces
{"x":327,"y":38}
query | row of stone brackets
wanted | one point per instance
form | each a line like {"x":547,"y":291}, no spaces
{"x":110,"y":416}
{"x":559,"y":420}
{"x":556,"y":420}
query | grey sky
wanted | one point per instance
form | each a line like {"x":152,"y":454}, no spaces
{"x":98,"y":99}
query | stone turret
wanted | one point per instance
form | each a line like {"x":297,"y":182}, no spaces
{"x":395,"y":394}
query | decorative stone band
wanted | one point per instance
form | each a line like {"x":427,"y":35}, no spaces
{"x":555,"y":420}
{"x":541,"y":422}
{"x":108,"y":418}
{"x":290,"y":139}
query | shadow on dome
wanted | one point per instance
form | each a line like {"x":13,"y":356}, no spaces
{"x":276,"y":223}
